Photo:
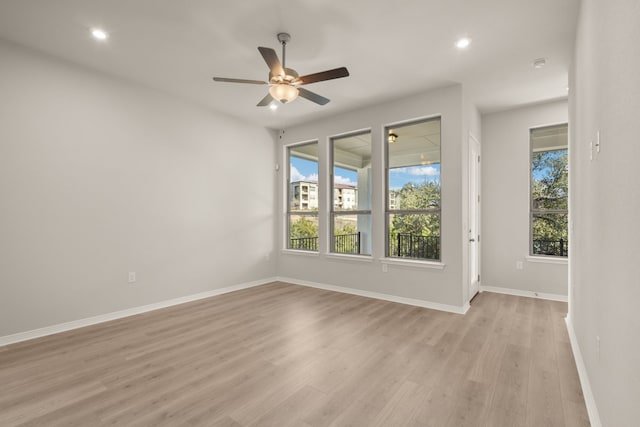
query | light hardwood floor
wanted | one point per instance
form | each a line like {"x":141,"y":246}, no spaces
{"x":286,"y":355}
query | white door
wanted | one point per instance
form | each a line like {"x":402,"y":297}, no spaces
{"x":474,"y":216}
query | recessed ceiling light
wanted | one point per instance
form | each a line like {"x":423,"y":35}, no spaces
{"x":463,"y":42}
{"x":539,"y":63}
{"x":273,"y":106}
{"x":99,"y":34}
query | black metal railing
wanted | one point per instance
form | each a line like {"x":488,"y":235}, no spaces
{"x":304,"y":243}
{"x":347,"y":243}
{"x":342,"y":243}
{"x":406,"y":245}
{"x":551,"y":247}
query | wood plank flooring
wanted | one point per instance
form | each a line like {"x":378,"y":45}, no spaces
{"x":286,"y":355}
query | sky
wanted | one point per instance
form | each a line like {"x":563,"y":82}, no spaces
{"x":543,"y":172}
{"x":307,"y":170}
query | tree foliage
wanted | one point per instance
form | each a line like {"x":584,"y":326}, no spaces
{"x":303,"y":227}
{"x":417,"y":197}
{"x":550,"y":175}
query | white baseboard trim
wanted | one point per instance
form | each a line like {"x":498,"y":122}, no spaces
{"x":521,"y":293}
{"x":589,"y":400}
{"x":386,"y":297}
{"x":80,"y":323}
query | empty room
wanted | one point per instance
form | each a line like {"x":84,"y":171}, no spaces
{"x":271,"y":213}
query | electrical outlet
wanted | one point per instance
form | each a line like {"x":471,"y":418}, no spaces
{"x":384,"y":268}
{"x":519,"y":265}
{"x":132,"y":277}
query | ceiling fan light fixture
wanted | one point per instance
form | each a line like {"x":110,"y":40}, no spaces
{"x":283,"y":92}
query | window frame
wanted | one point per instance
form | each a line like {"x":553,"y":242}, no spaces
{"x":288,"y":208}
{"x":537,"y":211}
{"x":332,"y":211}
{"x":430,"y":211}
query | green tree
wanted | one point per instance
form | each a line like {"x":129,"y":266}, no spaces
{"x":549,"y":192}
{"x":303,"y":227}
{"x":416,"y":235}
{"x":549,"y":201}
{"x":346,"y":228}
{"x":419,"y":197}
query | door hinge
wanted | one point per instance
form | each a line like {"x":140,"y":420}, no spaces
{"x":478,"y":159}
{"x":478,"y":238}
{"x":478,"y":278}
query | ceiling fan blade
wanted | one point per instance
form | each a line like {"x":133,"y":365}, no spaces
{"x":265,"y":101}
{"x":271,"y":58}
{"x":253,"y":82}
{"x":336,"y":73}
{"x":313,"y":97}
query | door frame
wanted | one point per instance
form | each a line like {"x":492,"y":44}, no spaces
{"x":474,"y":213}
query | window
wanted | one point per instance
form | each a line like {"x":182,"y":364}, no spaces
{"x":351,"y":205}
{"x":549,"y":191}
{"x":302,"y":206}
{"x":413,"y":190}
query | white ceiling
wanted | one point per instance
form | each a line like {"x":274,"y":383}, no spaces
{"x":392,"y":49}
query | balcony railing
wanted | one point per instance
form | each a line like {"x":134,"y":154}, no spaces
{"x":414,"y":246}
{"x":551,"y":247}
{"x":347,"y":243}
{"x":304,"y":243}
{"x":342,"y":243}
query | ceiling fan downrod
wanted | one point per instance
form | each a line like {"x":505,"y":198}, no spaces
{"x":284,"y":38}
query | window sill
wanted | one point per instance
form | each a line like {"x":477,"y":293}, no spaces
{"x":547,"y":259}
{"x":299,"y":252}
{"x":434,"y":265}
{"x":347,"y":257}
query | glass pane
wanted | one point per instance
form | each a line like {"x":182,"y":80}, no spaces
{"x":414,"y":236}
{"x":549,"y":179}
{"x":414,"y":166}
{"x":303,"y":177}
{"x":550,"y":234}
{"x":352,"y":172}
{"x":303,"y":232}
{"x":351,"y":234}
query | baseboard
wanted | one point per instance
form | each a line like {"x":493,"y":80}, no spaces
{"x":75,"y":324}
{"x":589,"y":400}
{"x":520,"y":293}
{"x":386,"y":297}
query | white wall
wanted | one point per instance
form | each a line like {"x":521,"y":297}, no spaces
{"x":438,"y":286}
{"x":99,"y":177}
{"x":505,"y":201}
{"x":604,"y":286}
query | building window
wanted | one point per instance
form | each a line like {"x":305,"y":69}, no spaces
{"x":351,"y":184}
{"x":413,"y":190}
{"x":549,"y":191}
{"x":302,"y":206}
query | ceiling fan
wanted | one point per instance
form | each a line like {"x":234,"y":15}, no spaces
{"x":285,"y":83}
